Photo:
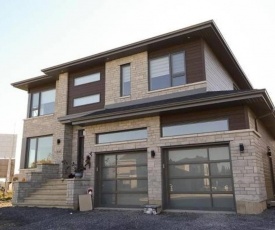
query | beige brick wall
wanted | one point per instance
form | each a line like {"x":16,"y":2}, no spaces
{"x":247,"y":167}
{"x":139,"y":80}
{"x":49,"y":125}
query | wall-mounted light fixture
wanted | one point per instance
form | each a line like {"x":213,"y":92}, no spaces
{"x":153,"y":153}
{"x":268,"y":151}
{"x":58,"y":141}
{"x":241,"y":147}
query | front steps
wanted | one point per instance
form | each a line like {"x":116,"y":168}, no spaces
{"x":52,"y":194}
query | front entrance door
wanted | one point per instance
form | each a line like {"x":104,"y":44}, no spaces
{"x":80,"y":149}
{"x":199,"y":179}
{"x":122,"y":179}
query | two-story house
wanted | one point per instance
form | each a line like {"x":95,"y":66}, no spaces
{"x":171,"y":120}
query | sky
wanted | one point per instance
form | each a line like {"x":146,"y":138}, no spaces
{"x":36,"y":34}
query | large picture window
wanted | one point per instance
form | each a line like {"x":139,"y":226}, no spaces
{"x":196,"y":127}
{"x":127,"y":135}
{"x":167,"y":71}
{"x":39,"y":151}
{"x":42,"y":103}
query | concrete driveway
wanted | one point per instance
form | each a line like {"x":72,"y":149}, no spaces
{"x":40,"y":219}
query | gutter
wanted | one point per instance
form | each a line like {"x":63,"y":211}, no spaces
{"x":162,"y":108}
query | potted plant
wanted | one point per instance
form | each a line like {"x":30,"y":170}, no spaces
{"x":78,"y":170}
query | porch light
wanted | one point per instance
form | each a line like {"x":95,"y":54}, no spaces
{"x":153,"y":153}
{"x":241,"y":147}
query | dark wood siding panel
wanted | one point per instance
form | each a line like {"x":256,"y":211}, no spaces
{"x":193,"y":56}
{"x":92,"y":88}
{"x":42,"y":88}
{"x":235,"y":115}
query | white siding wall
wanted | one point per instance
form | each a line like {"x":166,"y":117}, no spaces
{"x":216,"y":76}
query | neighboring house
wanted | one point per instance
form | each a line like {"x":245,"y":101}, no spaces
{"x":7,"y":158}
{"x":171,"y":120}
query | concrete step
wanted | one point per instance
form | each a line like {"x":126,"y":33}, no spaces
{"x":56,"y":182}
{"x":24,"y":204}
{"x":39,"y":202}
{"x":54,"y":186}
{"x":42,"y":191}
{"x":48,"y":197}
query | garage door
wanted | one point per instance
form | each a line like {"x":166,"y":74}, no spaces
{"x":122,"y":180}
{"x":199,"y":179}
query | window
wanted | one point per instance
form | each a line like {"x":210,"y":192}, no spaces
{"x":127,"y":135}
{"x":87,"y":100}
{"x":42,"y":103}
{"x":125,"y":80}
{"x":167,"y":71}
{"x":198,"y":127}
{"x":87,"y":79}
{"x":39,"y":151}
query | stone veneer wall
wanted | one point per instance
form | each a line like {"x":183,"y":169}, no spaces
{"x":139,"y":80}
{"x":49,"y":125}
{"x":247,"y":167}
{"x":261,"y":148}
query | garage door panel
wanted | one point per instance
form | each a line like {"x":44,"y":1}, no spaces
{"x":189,"y":185}
{"x":199,"y":178}
{"x":222,"y":184}
{"x":187,"y":155}
{"x":188,"y":170}
{"x":223,"y":201}
{"x":132,"y":185}
{"x":123,"y":179}
{"x":190,"y":201}
{"x":132,"y":171}
{"x":220,"y":169}
{"x":132,"y":199}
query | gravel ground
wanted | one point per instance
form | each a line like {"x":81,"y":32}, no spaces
{"x":41,"y":218}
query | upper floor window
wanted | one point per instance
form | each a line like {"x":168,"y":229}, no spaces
{"x":87,"y":79}
{"x":125,"y":80}
{"x":91,"y":99}
{"x":167,"y":71}
{"x":42,"y":103}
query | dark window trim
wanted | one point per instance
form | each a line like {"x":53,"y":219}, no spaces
{"x":165,"y":172}
{"x":194,"y":122}
{"x":169,"y":55}
{"x":97,"y":135}
{"x":121,"y":79}
{"x":39,"y":102}
{"x":36,"y":147}
{"x":99,"y":168}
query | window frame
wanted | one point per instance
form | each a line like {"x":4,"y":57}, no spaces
{"x":85,"y":76}
{"x":36,"y":148}
{"x":122,"y":82}
{"x":39,"y":102}
{"x":195,"y":122}
{"x":171,"y":75}
{"x":99,"y":97}
{"x":121,"y":131}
